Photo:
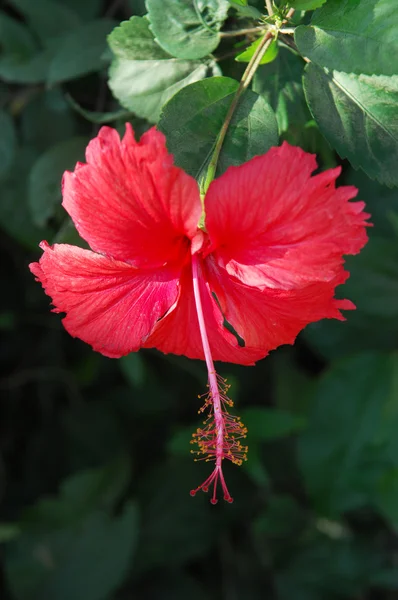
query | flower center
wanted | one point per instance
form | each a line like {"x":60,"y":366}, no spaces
{"x":220,"y":437}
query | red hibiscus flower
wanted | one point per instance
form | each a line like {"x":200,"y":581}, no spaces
{"x":265,"y":263}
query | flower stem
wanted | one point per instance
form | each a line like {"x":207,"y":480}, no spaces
{"x":243,"y":85}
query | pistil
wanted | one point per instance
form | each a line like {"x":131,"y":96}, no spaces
{"x":221,"y":434}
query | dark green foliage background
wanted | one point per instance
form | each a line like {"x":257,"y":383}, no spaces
{"x":95,"y":469}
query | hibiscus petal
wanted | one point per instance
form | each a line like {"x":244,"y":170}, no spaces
{"x":178,"y":332}
{"x":130,"y":202}
{"x":108,"y":304}
{"x":273,"y":225}
{"x":268,"y":318}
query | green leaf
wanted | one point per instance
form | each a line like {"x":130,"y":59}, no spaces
{"x":134,"y":40}
{"x":306,"y":4}
{"x":16,"y":40}
{"x":73,"y":54}
{"x":283,"y":518}
{"x":133,"y":368}
{"x":48,"y":19}
{"x":192,"y":120}
{"x":351,"y":36}
{"x":380,"y":202}
{"x":137,"y":7}
{"x":21,"y":61}
{"x":373,"y":287}
{"x":376,"y":272}
{"x":393,"y":218}
{"x":265,"y":424}
{"x":187,"y":28}
{"x":80,"y":52}
{"x":8,"y":142}
{"x":373,"y":282}
{"x":87,"y":561}
{"x":89,"y":9}
{"x":93,"y":431}
{"x":244,"y":9}
{"x":387,"y":497}
{"x":166,"y":501}
{"x":270,"y":54}
{"x":67,"y":234}
{"x":28,"y":70}
{"x":179,"y":443}
{"x":149,"y":77}
{"x":144,"y":87}
{"x":280,"y":83}
{"x":79,"y":495}
{"x":8,"y":532}
{"x":320,"y":567}
{"x":344,"y":453}
{"x":46,"y":174}
{"x":46,"y":120}
{"x":386,"y":579}
{"x":358,"y":115}
{"x":15,"y":217}
{"x":255,"y":468}
{"x":291,"y":384}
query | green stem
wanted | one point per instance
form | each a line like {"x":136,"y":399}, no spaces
{"x":243,"y":85}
